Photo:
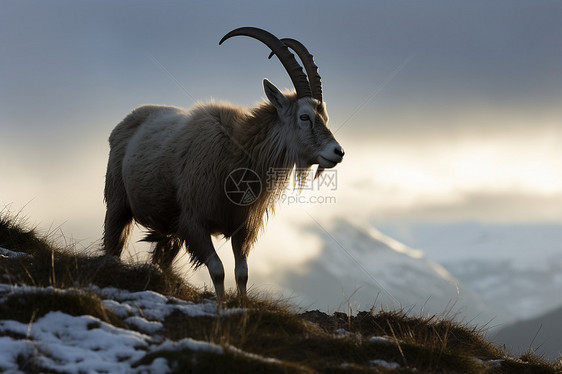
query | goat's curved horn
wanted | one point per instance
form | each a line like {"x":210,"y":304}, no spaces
{"x":309,"y":65}
{"x":297,"y":75}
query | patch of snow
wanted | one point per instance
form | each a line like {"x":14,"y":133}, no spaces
{"x":158,"y":366}
{"x":79,"y":344}
{"x":154,"y":306}
{"x":147,"y":327}
{"x":230,"y":311}
{"x":76,"y":344}
{"x":121,"y":310}
{"x":189,"y":344}
{"x":199,"y":346}
{"x":10,"y":350}
{"x":385,"y":364}
{"x":379,"y":339}
{"x":24,"y":289}
{"x":495,"y":363}
{"x":253,"y":356}
{"x":7,"y":253}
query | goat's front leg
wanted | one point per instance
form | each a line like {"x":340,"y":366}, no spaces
{"x":240,"y":248}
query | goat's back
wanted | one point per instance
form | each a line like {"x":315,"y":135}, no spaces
{"x":173,"y":161}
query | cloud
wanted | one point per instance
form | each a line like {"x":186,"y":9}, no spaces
{"x":512,"y":177}
{"x":484,"y":207}
{"x":483,"y":80}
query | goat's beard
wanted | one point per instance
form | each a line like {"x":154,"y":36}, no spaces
{"x":319,"y":172}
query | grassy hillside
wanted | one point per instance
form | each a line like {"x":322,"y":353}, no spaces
{"x":178,"y":329}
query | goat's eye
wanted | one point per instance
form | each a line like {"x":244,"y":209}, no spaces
{"x":305,"y":117}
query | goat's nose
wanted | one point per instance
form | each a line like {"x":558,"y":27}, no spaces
{"x":339,"y":151}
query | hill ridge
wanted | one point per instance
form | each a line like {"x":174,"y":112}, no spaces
{"x":65,"y":312}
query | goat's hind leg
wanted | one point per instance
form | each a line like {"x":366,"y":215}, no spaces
{"x":200,"y":247}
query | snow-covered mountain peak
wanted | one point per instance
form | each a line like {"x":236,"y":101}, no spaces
{"x":360,"y":264}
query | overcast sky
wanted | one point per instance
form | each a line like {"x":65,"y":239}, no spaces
{"x":447,"y":110}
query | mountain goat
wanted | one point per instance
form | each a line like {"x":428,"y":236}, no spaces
{"x":188,"y":174}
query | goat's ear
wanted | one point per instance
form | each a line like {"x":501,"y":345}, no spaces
{"x":275,"y":96}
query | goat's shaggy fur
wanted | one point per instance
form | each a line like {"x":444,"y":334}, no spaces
{"x":168,"y":167}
